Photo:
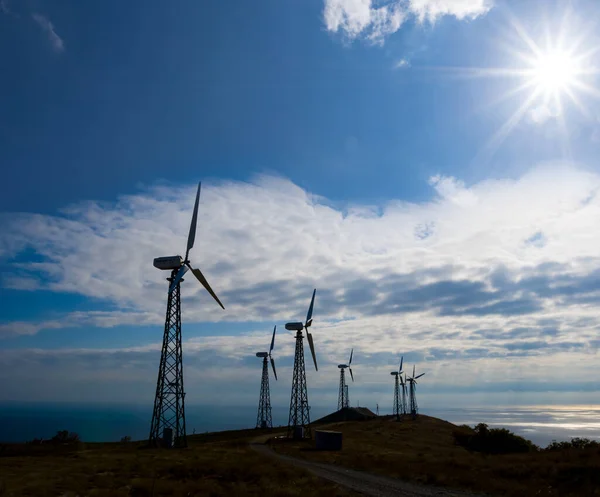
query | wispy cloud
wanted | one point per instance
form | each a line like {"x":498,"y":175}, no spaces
{"x":543,"y":113}
{"x":374,"y":21}
{"x":403,"y":63}
{"x":48,"y":28}
{"x":432,"y":10}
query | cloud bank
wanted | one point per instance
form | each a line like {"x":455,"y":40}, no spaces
{"x":481,"y":276}
{"x":373,"y":20}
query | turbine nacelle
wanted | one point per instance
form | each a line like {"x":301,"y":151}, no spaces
{"x":294,"y":326}
{"x":394,"y":373}
{"x":262,"y":354}
{"x":168,"y":263}
{"x":342,"y":366}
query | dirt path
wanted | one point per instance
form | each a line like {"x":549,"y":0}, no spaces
{"x":361,"y":482}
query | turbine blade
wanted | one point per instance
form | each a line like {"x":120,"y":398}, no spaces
{"x":273,"y":340}
{"x":413,"y":371}
{"x":422,"y":374}
{"x":198,"y":274}
{"x":312,"y":349}
{"x":351,"y":352}
{"x":273,"y":367}
{"x":401,"y":360}
{"x":192,"y":233}
{"x":177,"y":278}
{"x":310,"y":310}
{"x":351,"y":375}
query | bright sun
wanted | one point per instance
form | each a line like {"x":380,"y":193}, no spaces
{"x":555,"y":71}
{"x":550,"y":73}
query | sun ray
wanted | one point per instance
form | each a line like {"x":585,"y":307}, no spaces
{"x":498,"y":138}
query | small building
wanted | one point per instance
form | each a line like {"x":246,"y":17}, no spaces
{"x":328,"y":440}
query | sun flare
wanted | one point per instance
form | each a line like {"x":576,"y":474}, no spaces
{"x":552,"y":72}
{"x":555,"y":71}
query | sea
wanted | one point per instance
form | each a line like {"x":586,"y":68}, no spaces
{"x":21,"y":422}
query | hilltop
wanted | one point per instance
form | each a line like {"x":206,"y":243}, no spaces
{"x":426,"y":451}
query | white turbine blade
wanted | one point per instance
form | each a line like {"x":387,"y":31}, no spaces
{"x":198,"y":274}
{"x":413,"y":371}
{"x":177,"y":278}
{"x":351,"y":352}
{"x":192,"y":233}
{"x":273,"y":339}
{"x":351,"y":375}
{"x":312,"y":349}
{"x":310,"y":310}
{"x":273,"y":367}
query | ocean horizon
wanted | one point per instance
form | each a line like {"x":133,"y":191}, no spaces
{"x":20,"y":422}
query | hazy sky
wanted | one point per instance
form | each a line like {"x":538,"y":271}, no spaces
{"x":430,"y":166}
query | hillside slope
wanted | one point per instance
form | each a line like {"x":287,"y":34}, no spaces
{"x":217,"y":464}
{"x":424,"y":451}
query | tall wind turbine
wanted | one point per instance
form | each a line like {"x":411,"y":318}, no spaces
{"x":299,"y":408}
{"x":412,"y":382}
{"x":263,"y":418}
{"x":168,"y":417}
{"x":343,"y":400}
{"x":396,"y":406}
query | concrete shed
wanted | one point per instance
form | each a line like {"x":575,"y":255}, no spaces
{"x":328,"y":440}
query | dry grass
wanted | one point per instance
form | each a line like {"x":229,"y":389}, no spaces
{"x":213,"y":465}
{"x":424,"y":451}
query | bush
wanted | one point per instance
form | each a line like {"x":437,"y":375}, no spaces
{"x":492,"y":441}
{"x":126,"y":439}
{"x":575,"y":443}
{"x":65,"y":437}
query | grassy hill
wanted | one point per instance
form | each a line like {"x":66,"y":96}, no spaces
{"x":425,"y":451}
{"x":216,"y":464}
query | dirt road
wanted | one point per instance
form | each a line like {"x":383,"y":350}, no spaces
{"x":360,"y":482}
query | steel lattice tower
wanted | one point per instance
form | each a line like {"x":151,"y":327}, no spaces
{"x":396,"y":406}
{"x":263,"y":418}
{"x":299,"y":408}
{"x":342,"y":396}
{"x":169,"y":403}
{"x":347,"y":396}
{"x":414,"y":409}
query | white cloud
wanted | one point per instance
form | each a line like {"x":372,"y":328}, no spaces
{"x":498,"y":269}
{"x":360,"y":17}
{"x":432,"y":10}
{"x":375,"y":20}
{"x":543,"y":113}
{"x":403,"y":63}
{"x":48,"y":29}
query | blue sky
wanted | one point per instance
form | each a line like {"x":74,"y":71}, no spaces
{"x":379,"y":151}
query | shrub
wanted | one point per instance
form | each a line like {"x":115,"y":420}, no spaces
{"x":126,"y":439}
{"x":65,"y":437}
{"x":492,"y":441}
{"x":575,"y":443}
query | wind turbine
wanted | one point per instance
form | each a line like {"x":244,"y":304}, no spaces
{"x":396,"y":406}
{"x":299,"y":408}
{"x":343,"y":400}
{"x":412,"y":382}
{"x":263,"y":418}
{"x":168,"y":416}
